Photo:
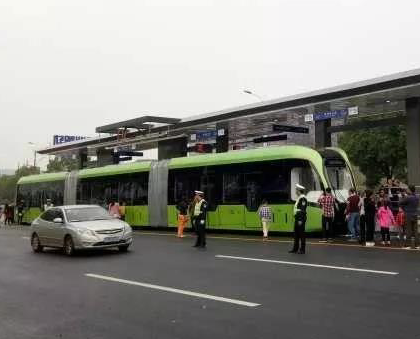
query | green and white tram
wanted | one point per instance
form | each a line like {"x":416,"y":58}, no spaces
{"x":234,"y":184}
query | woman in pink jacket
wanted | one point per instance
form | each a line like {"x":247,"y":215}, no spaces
{"x":386,"y":220}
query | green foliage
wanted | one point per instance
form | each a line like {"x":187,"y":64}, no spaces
{"x":378,"y":152}
{"x":8,"y":183}
{"x":63,"y":164}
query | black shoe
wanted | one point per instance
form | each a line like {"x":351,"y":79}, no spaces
{"x":196,"y":246}
{"x":301,"y":252}
{"x":293,"y":251}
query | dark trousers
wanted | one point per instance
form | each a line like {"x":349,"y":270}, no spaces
{"x":300,"y":236}
{"x":327,"y":227}
{"x":200,"y":228}
{"x":20,"y":219}
{"x":385,"y":234}
{"x":362,"y":233}
{"x":412,"y":231}
{"x":370,"y":227}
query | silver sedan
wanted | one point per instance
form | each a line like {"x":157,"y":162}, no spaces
{"x":79,"y":227}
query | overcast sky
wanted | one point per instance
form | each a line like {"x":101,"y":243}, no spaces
{"x":69,"y":66}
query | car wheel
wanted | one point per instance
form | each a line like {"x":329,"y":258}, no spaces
{"x":68,"y":246}
{"x":123,"y":248}
{"x":36,"y":244}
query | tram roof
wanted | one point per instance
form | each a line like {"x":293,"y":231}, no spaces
{"x":134,"y":167}
{"x":258,"y":154}
{"x":45,"y":177}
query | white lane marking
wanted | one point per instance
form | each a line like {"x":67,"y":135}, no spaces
{"x":27,"y":238}
{"x":309,"y":265}
{"x":174,"y":290}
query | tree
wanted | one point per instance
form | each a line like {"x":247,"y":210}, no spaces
{"x":62,"y":164}
{"x":378,"y":152}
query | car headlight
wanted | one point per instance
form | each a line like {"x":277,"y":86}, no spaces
{"x":128,"y":230}
{"x":84,"y":232}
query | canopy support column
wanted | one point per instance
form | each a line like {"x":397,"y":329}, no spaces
{"x":412,"y":107}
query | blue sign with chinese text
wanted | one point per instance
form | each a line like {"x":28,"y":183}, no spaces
{"x":334,"y":114}
{"x":62,"y":139}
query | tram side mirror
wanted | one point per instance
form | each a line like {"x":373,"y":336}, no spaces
{"x":58,"y":221}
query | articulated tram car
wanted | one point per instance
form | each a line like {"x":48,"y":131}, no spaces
{"x":234,"y":184}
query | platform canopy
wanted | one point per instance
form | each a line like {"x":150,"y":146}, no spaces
{"x":383,"y":99}
{"x":143,"y":123}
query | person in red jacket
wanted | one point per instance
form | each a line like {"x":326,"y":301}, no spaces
{"x":353,"y":214}
{"x":400,"y":220}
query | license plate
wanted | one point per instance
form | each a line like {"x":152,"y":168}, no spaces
{"x":111,"y":239}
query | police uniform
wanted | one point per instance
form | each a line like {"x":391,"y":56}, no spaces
{"x":200,"y":213}
{"x":300,"y":221}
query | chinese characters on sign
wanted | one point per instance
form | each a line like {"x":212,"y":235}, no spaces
{"x":334,"y":114}
{"x":62,"y":139}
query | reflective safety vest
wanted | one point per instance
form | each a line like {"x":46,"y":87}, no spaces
{"x":197,"y":208}
{"x":300,"y":205}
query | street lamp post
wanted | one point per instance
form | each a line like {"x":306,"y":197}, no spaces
{"x":33,"y":145}
{"x":247,"y":91}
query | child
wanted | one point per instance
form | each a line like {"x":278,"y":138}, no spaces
{"x":401,"y":224}
{"x":386,"y":220}
{"x":265,"y":214}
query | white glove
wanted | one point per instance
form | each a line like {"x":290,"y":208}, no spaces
{"x":202,"y":222}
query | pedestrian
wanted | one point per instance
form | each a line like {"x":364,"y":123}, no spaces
{"x":5,"y":213}
{"x":299,"y":212}
{"x":400,"y":220}
{"x":8,"y":210}
{"x":370,"y":213}
{"x":352,"y":214}
{"x":200,"y":214}
{"x":122,"y":210}
{"x":191,"y":207}
{"x":362,"y":223}
{"x":48,"y":205}
{"x":20,"y":210}
{"x":327,"y":203}
{"x":266,"y":216}
{"x":114,"y":209}
{"x":386,"y":220}
{"x":182,"y":208}
{"x":410,"y":205}
{"x":382,"y":197}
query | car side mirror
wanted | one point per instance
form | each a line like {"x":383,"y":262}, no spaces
{"x":58,"y":220}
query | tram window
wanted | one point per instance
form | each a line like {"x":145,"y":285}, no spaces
{"x":275,"y":185}
{"x":308,"y":177}
{"x":232,"y":188}
{"x":125,"y":192}
{"x":84,"y":193}
{"x":139,"y":190}
{"x":253,"y":190}
{"x":183,"y":183}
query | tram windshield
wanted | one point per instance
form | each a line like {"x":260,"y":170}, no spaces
{"x":339,"y":177}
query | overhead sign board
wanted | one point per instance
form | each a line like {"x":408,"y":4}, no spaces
{"x":309,"y":117}
{"x":62,"y":139}
{"x":334,"y":114}
{"x":353,"y":110}
{"x":291,"y":129}
{"x":206,"y":135}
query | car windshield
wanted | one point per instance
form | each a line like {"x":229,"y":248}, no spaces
{"x":87,"y":214}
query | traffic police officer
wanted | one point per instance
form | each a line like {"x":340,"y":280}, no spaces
{"x":300,"y":220}
{"x":200,"y":212}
